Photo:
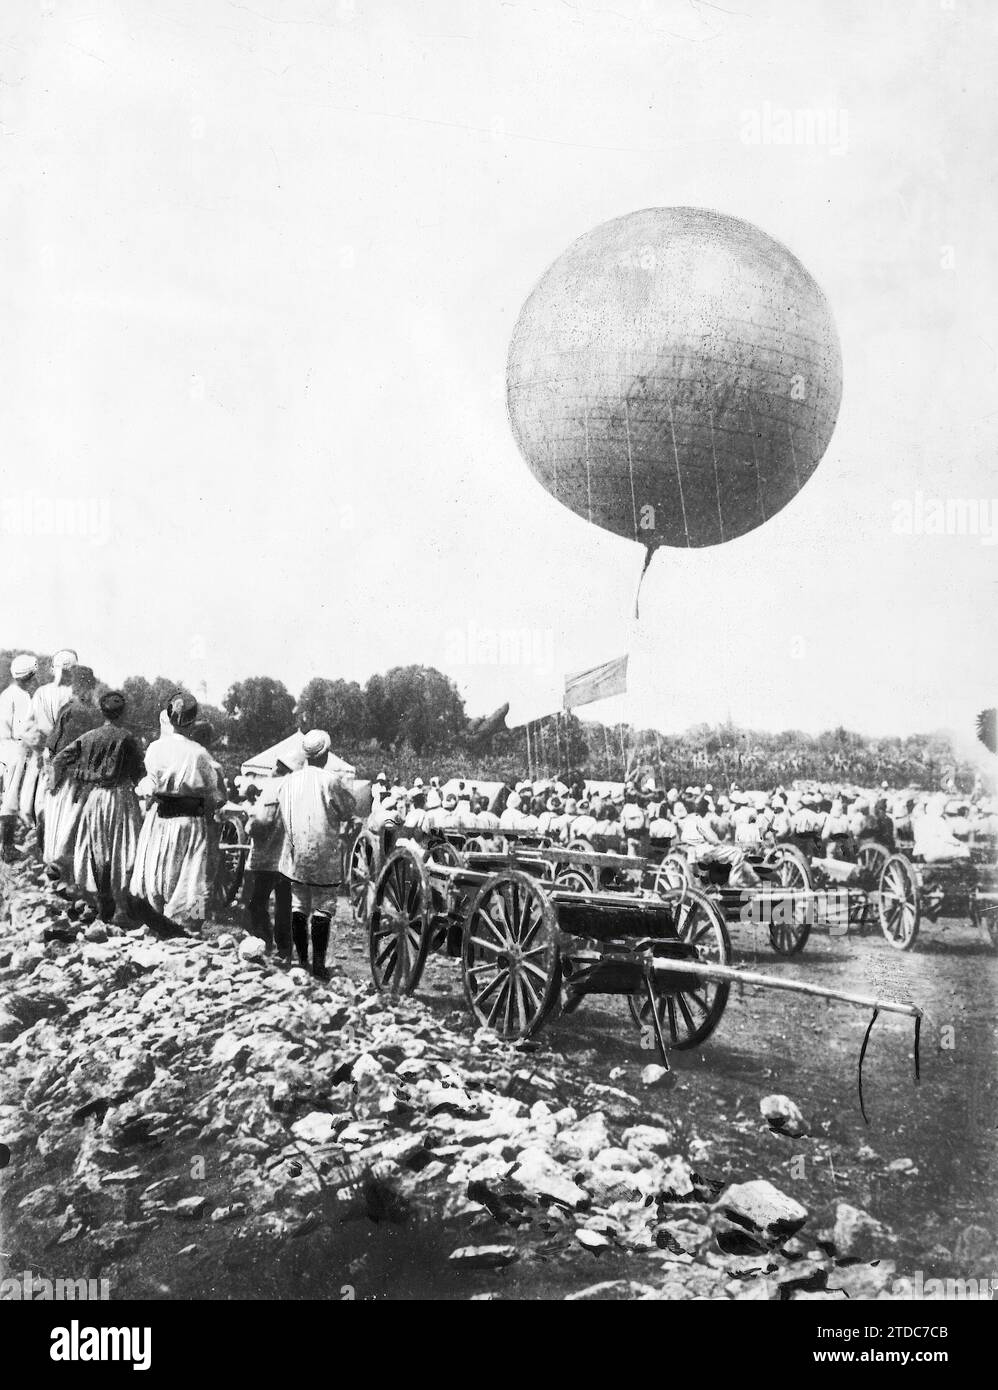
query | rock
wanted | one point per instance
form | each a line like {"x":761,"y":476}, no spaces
{"x":366,"y":1066}
{"x":251,"y":948}
{"x":858,"y":1235}
{"x":189,"y":1208}
{"x":10,"y":1027}
{"x":225,"y":942}
{"x":675,"y":1180}
{"x":584,"y":1139}
{"x":863,"y":1280}
{"x":649,"y":1139}
{"x":783,"y":1116}
{"x":484,"y":1256}
{"x":612,"y":1290}
{"x":592,"y":1240}
{"x":229,"y":1213}
{"x":654,"y":1074}
{"x":315,"y":1128}
{"x":759,"y":1209}
{"x":974,"y":1248}
{"x":903,"y":1165}
{"x":97,"y":931}
{"x":537,"y":1172}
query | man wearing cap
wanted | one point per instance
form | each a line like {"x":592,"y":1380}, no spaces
{"x":170,"y":880}
{"x":105,"y":764}
{"x":511,"y":818}
{"x":313,"y":805}
{"x":416,"y":823}
{"x":15,"y":719}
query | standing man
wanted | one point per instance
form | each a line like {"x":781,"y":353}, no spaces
{"x":49,"y":699}
{"x":170,"y":878}
{"x":313,"y":803}
{"x":65,"y":804}
{"x":266,"y":832}
{"x":15,"y":717}
{"x":106,"y":763}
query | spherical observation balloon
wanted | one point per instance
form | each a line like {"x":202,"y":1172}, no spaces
{"x":675,"y":377}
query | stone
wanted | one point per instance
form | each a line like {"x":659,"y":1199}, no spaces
{"x":761,"y":1209}
{"x":592,"y":1240}
{"x":189,"y":1208}
{"x":858,"y":1235}
{"x":225,"y":942}
{"x":612,"y":1290}
{"x":649,"y":1139}
{"x":783,"y":1116}
{"x":974,"y":1248}
{"x":654,"y":1074}
{"x":314,"y":1128}
{"x":584,"y":1139}
{"x":251,"y":948}
{"x":536,"y":1172}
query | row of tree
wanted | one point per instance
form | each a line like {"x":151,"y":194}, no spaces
{"x":411,"y":720}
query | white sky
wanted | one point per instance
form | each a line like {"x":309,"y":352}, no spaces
{"x":260,"y":268}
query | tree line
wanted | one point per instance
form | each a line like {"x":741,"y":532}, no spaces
{"x":412,"y":719}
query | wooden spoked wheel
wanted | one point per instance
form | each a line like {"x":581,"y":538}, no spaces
{"x":576,"y":880}
{"x":791,"y":923}
{"x":689,"y":1014}
{"x":399,"y":928}
{"x":899,"y":902}
{"x":583,"y":846}
{"x":673,"y":872}
{"x":231,"y":863}
{"x":474,"y":846}
{"x":443,"y":852}
{"x":509,"y":955}
{"x":360,"y":875}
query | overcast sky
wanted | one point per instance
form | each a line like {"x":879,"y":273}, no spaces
{"x":261,"y":264}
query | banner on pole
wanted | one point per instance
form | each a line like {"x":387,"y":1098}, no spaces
{"x":598,"y":683}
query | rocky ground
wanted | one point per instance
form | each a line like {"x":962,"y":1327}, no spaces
{"x":187,"y":1121}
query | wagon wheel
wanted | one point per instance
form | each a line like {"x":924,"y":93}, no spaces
{"x":443,"y":852}
{"x":688,"y":1016}
{"x":583,"y":846}
{"x":399,"y":929}
{"x":870,"y":859}
{"x":984,"y":916}
{"x":673,"y":872}
{"x":231,"y":863}
{"x":360,"y":875}
{"x":575,"y":879}
{"x":509,"y":955}
{"x":474,"y":846}
{"x":789,"y":938}
{"x":899,"y":902}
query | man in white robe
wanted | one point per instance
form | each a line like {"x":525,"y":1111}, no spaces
{"x":171,"y":879}
{"x":15,"y":723}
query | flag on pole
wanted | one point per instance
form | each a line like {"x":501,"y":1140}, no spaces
{"x":598,"y":683}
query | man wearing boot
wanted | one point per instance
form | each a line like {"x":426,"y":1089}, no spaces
{"x":15,"y":718}
{"x":313,"y":804}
